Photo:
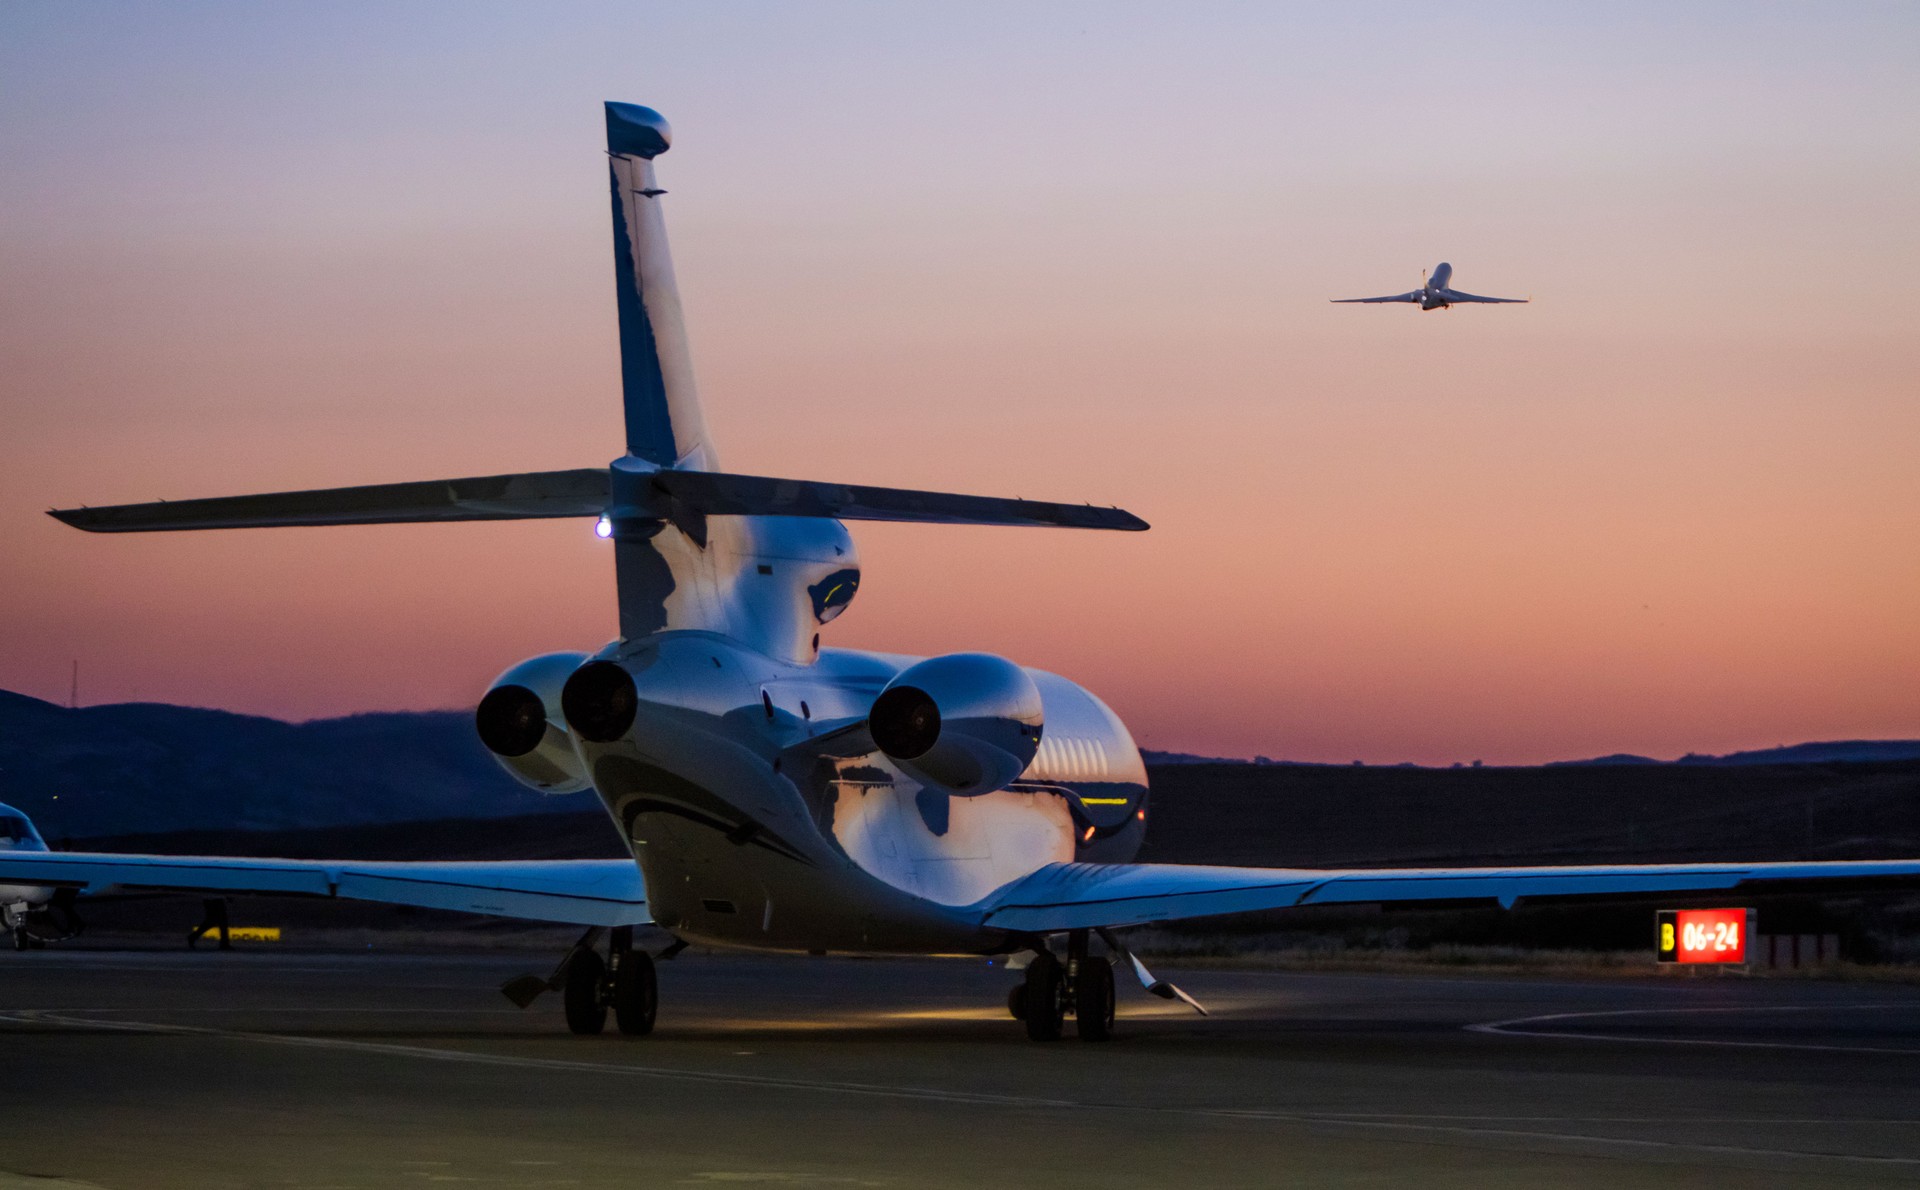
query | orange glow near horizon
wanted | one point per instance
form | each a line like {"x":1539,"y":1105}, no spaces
{"x":1671,"y":506}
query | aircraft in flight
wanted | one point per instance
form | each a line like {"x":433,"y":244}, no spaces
{"x":1434,"y":294}
{"x":779,"y":794}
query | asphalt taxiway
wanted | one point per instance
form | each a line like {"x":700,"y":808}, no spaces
{"x":167,"y":1069}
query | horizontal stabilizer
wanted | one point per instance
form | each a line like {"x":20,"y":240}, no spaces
{"x":665,"y":495}
{"x":720,"y":494}
{"x":478,"y":498}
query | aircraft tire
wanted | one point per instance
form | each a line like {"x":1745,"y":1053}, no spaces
{"x":20,"y":941}
{"x":636,"y":994}
{"x":586,"y":1011}
{"x":1044,"y":1013}
{"x":1093,"y":999}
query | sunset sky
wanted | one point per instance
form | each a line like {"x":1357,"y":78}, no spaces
{"x":1075,"y":252}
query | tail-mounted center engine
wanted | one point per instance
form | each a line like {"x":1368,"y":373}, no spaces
{"x":967,"y":723}
{"x":520,"y":722}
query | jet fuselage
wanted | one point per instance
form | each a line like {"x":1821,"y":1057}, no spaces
{"x":751,"y":831}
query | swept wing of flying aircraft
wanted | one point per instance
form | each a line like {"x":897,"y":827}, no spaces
{"x":1434,"y":294}
{"x":777,"y":794}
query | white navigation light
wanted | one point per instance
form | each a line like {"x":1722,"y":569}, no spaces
{"x":604,"y":527}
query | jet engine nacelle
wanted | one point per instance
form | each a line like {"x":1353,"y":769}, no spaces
{"x":966,"y":723}
{"x":520,"y":722}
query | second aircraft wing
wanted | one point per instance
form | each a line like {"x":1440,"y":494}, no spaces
{"x":1088,"y":896}
{"x":1454,"y":295}
{"x":1414,"y":295}
{"x":588,"y":892}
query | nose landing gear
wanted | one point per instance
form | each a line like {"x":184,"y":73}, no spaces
{"x":1081,"y":987}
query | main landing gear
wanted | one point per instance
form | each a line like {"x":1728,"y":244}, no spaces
{"x":213,"y":923}
{"x":1081,"y":987}
{"x":590,"y":985}
{"x":32,"y":927}
{"x":623,"y":981}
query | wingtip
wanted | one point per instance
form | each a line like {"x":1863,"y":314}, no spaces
{"x":74,"y":517}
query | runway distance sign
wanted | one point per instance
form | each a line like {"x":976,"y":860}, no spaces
{"x":1701,"y":935}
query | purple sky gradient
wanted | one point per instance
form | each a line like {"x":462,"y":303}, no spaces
{"x":1075,"y":253}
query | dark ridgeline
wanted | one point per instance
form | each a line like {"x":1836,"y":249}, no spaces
{"x":1314,"y":815}
{"x":418,"y":785}
{"x":145,"y":767}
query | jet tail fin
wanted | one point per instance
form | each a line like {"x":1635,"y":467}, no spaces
{"x":664,"y":423}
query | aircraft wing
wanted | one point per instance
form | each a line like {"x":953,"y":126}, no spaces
{"x":1085,"y":896}
{"x":588,"y":892}
{"x":1415,"y":295}
{"x":1454,"y":295}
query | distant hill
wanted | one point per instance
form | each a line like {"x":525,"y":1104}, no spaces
{"x":1152,"y":757}
{"x":150,"y":767}
{"x":1832,"y":752}
{"x":1314,"y":815}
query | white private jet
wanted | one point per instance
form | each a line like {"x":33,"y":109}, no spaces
{"x":1433,"y":294}
{"x":780,"y":795}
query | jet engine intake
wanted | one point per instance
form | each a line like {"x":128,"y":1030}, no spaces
{"x":965,"y":723}
{"x":519,"y":722}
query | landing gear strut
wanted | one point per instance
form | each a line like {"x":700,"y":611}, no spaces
{"x":213,"y":921}
{"x":623,"y":981}
{"x":1081,"y":987}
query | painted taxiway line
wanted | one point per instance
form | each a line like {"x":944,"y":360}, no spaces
{"x":474,"y":1058}
{"x":1410,"y":1129}
{"x":1581,"y":1142}
{"x":1518,"y":1027}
